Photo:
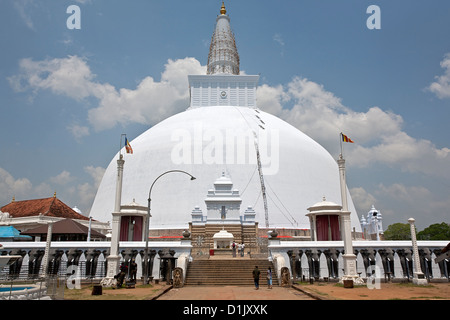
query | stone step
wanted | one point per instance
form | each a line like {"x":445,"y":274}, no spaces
{"x":231,"y":271}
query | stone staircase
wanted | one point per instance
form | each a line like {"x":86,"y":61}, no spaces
{"x":232,"y":271}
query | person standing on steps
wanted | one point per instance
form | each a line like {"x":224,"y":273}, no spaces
{"x":269,"y":278}
{"x":256,"y":274}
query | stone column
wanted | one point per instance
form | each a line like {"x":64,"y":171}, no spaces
{"x":47,"y":249}
{"x":120,"y":163}
{"x":114,"y":258}
{"x":350,"y":272}
{"x":418,"y":276}
{"x":313,"y":228}
{"x":341,"y":164}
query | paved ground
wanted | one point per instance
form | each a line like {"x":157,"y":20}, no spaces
{"x":233,"y":293}
{"x":320,"y":290}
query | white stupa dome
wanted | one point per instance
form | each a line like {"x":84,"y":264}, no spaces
{"x":216,"y":134}
{"x":306,"y":171}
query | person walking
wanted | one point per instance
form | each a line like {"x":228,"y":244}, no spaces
{"x":234,"y":249}
{"x":256,"y":274}
{"x":269,"y":278}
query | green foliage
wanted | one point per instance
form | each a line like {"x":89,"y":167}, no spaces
{"x":437,"y":231}
{"x":402,"y":231}
{"x":398,"y":231}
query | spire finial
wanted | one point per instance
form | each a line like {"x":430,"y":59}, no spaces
{"x":223,"y":10}
{"x":223,"y":56}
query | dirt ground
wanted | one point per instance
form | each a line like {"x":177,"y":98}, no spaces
{"x":326,"y":291}
{"x":140,"y":292}
{"x":387,"y":291}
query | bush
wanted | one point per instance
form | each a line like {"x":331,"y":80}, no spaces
{"x":437,"y":231}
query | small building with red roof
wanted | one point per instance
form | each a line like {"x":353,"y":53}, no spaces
{"x":30,"y":214}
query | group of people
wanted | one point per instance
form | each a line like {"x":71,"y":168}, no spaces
{"x":239,"y":247}
{"x":123,"y":271}
{"x":257,"y":274}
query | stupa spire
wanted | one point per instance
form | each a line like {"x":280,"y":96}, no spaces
{"x":223,"y":55}
{"x":223,"y":10}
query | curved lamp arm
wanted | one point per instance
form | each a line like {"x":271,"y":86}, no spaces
{"x":170,"y":171}
{"x":147,"y":225}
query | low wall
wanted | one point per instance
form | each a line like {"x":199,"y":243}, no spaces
{"x":323,"y":259}
{"x":90,"y":257}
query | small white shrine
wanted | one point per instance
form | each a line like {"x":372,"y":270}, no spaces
{"x":223,"y":240}
{"x":224,"y":223}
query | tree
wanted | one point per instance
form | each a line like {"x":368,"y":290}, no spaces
{"x":437,"y":231}
{"x":398,"y":231}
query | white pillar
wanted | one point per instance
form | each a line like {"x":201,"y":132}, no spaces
{"x":120,"y":163}
{"x":341,"y":164}
{"x":350,"y":272}
{"x":418,"y":276}
{"x":349,"y":257}
{"x":47,"y":249}
{"x":114,"y":258}
{"x":89,"y":229}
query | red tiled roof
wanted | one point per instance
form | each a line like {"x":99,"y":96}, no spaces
{"x":66,"y":226}
{"x":50,"y":207}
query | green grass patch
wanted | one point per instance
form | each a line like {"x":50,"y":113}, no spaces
{"x":412,"y":285}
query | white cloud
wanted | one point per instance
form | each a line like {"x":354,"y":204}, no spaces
{"x":62,"y":179}
{"x":25,"y":8}
{"x":86,"y":194}
{"x":378,"y":134}
{"x":96,"y":173}
{"x":441,"y":87}
{"x":68,"y":188}
{"x":398,"y":202}
{"x":405,"y":194}
{"x":279,"y":39}
{"x":406,"y":153}
{"x":69,"y":76}
{"x":151,"y":102}
{"x":12,"y":187}
{"x":78,"y":131}
{"x":271,"y":99}
{"x":402,"y":202}
{"x":82,"y":195}
{"x":362,"y":199}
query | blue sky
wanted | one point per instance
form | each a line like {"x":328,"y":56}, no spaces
{"x":67,"y":95}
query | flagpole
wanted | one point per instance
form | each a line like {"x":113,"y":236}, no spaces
{"x":348,"y":256}
{"x":340,"y":140}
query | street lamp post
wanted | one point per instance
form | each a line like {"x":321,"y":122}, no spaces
{"x":147,"y":222}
